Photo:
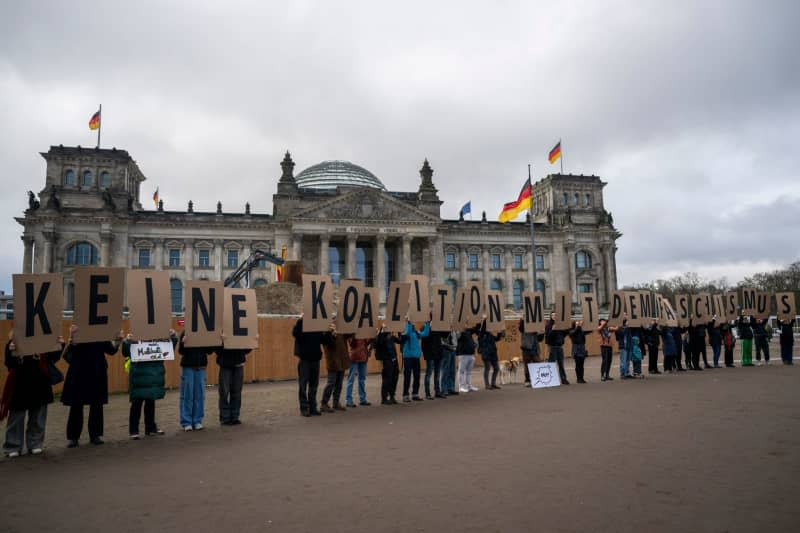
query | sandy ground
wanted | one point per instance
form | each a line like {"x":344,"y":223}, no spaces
{"x":693,"y":451}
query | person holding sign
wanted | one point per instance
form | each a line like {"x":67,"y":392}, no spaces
{"x":715,"y":340}
{"x":193,"y":384}
{"x":606,"y":352}
{"x":787,"y":340}
{"x":307,"y":350}
{"x":746,"y":334}
{"x":412,"y":350}
{"x":86,"y":384}
{"x":578,"y":337}
{"x":28,"y":390}
{"x":677,"y":335}
{"x":670,"y":347}
{"x":432,"y":352}
{"x":358,"y":349}
{"x":697,"y":344}
{"x":145,"y":386}
{"x":529,"y":346}
{"x":487,"y":347}
{"x":231,"y":379}
{"x":448,"y":371}
{"x":729,"y":340}
{"x":386,"y":353}
{"x":625,"y":343}
{"x":652,"y":340}
{"x":466,"y":359}
{"x":337,"y":360}
{"x":761,"y":339}
{"x":554,"y":338}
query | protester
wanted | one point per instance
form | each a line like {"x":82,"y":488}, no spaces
{"x":652,"y":339}
{"x":687,"y":351}
{"x":432,"y":352}
{"x":449,"y":344}
{"x":307,"y":350}
{"x":231,"y":378}
{"x":411,"y":354}
{"x":28,"y":390}
{"x":761,"y":340}
{"x":625,"y":343}
{"x":386,"y":353}
{"x":193,"y":384}
{"x":697,"y":343}
{"x":670,"y":348}
{"x":787,"y":340}
{"x":715,"y":339}
{"x":466,"y":359}
{"x":729,"y":340}
{"x":578,"y":337}
{"x":529,"y":345}
{"x":743,"y":325}
{"x":145,"y":386}
{"x":337,"y":360}
{"x":677,"y":336}
{"x":86,"y":384}
{"x":487,"y":347}
{"x":358,"y":350}
{"x":554,"y":338}
{"x":606,"y":353}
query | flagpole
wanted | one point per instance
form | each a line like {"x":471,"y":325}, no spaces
{"x":100,"y":126}
{"x":533,"y":236}
{"x":562,"y":156}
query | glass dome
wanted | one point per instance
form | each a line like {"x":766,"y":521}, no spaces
{"x":332,"y":174}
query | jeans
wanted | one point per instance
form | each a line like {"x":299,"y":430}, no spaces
{"x":606,"y":355}
{"x":434,"y":367}
{"x":448,"y":359}
{"x":361,"y":369}
{"x":557,"y":356}
{"x":716,"y":349}
{"x":333,"y":387}
{"x":624,"y":363}
{"x":465,"y":364}
{"x":308,"y":380}
{"x":193,"y":396}
{"x":389,"y":376}
{"x":411,"y":368}
{"x":16,"y":431}
{"x":762,"y":345}
{"x":452,"y":371}
{"x":495,"y":366}
{"x":230,"y":393}
{"x":136,"y":413}
{"x":75,"y":421}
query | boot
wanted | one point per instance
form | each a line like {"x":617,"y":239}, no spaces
{"x":338,"y":406}
{"x":325,"y":408}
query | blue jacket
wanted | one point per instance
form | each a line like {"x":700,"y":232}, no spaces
{"x":411,"y":345}
{"x":668,"y":336}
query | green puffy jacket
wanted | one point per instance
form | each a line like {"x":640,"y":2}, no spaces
{"x":146,"y":378}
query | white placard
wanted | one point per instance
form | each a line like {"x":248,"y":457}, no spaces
{"x":544,"y":375}
{"x":152,"y":351}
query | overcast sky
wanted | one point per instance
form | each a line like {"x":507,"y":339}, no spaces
{"x":689,"y":110}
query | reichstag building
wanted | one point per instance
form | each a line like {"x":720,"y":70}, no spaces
{"x":336,"y":217}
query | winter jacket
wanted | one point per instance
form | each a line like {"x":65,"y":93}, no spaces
{"x":194,"y":357}
{"x":337,"y":357}
{"x":652,"y":336}
{"x":787,"y":333}
{"x":231,"y":358}
{"x":466,"y":345}
{"x":553,"y":337}
{"x":385,"y":346}
{"x":450,"y":342}
{"x":668,"y":336}
{"x":624,"y":336}
{"x":678,"y":338}
{"x":31,"y":379}
{"x":636,"y":352}
{"x":727,"y":337}
{"x":432,"y":345}
{"x":714,"y":334}
{"x":697,"y":334}
{"x":578,"y":338}
{"x":759,"y":329}
{"x":306,"y":344}
{"x":358,"y":349}
{"x":145,"y":378}
{"x":531,"y":339}
{"x":411,"y":346}
{"x":605,"y":335}
{"x":744,"y":325}
{"x":487,"y":343}
{"x":86,"y":382}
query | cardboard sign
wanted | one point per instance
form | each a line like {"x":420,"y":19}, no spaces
{"x":203,"y":305}
{"x":460,"y":309}
{"x":495,"y":303}
{"x":616,"y":309}
{"x":533,"y":311}
{"x":240,"y":319}
{"x":563,"y":310}
{"x":419,"y":308}
{"x":38,"y":309}
{"x":544,"y":375}
{"x":349,"y":306}
{"x":474,"y":300}
{"x":149,"y":305}
{"x":701,"y":305}
{"x":748,"y":301}
{"x":683,"y":309}
{"x":731,"y":305}
{"x":658,"y":307}
{"x":152,"y":351}
{"x":787,"y":307}
{"x":763,"y":299}
{"x":668,"y":316}
{"x":442,"y":308}
{"x":397,"y":306}
{"x":317,"y":302}
{"x":633,"y":309}
{"x":589,"y":310}
{"x":367,"y":324}
{"x":719,"y":308}
{"x":98,"y":303}
{"x":646,"y":306}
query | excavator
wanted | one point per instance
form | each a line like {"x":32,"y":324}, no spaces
{"x":242,"y":274}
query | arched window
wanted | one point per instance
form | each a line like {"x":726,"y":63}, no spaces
{"x":260,"y":282}
{"x":583,"y":260}
{"x":565,"y":198}
{"x":105,"y":180}
{"x":588,"y":199}
{"x":176,"y":295}
{"x":496,"y":285}
{"x":540,"y":288}
{"x":453,"y":286}
{"x":577,"y":199}
{"x":86,"y":181}
{"x":69,"y":293}
{"x":82,"y":253}
{"x":519,"y":287}
{"x":69,"y":177}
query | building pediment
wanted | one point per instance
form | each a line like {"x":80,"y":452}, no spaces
{"x":365,"y":205}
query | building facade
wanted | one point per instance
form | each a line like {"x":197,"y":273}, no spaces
{"x":335,"y":217}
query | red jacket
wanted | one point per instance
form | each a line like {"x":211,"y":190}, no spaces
{"x":359,"y":349}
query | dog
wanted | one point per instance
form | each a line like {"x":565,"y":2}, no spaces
{"x":506,"y":370}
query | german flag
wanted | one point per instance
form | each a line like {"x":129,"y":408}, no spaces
{"x":94,"y":122}
{"x":555,"y":153}
{"x":512,"y":210}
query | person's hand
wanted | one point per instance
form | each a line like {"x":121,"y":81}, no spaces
{"x":256,"y":337}
{"x":301,"y":316}
{"x":72,"y":329}
{"x":60,"y":339}
{"x":172,"y":332}
{"x":129,"y":337}
{"x":222,"y":335}
{"x":484,"y":316}
{"x":11,"y":347}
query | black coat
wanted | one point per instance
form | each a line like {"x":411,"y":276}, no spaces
{"x":194,"y":357}
{"x":432,"y":346}
{"x":553,"y":337}
{"x":307,"y":345}
{"x":231,"y":358}
{"x":31,"y":383}
{"x":87,"y":377}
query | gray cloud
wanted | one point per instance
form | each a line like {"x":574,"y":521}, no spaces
{"x":690,"y":112}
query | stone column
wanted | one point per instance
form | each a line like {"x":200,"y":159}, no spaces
{"x":380,"y":273}
{"x":297,"y":241}
{"x":324,"y":254}
{"x":105,"y":249}
{"x":405,"y":269}
{"x":531,"y":257}
{"x":47,"y":257}
{"x":462,"y":264}
{"x":158,"y":260}
{"x":350,"y":267}
{"x":608,"y":260}
{"x":485,"y":261}
{"x":509,"y":282}
{"x":218,"y":259}
{"x":188,"y":258}
{"x":573,"y":282}
{"x":436,"y":259}
{"x":27,"y":258}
